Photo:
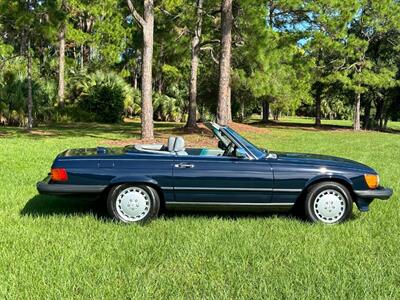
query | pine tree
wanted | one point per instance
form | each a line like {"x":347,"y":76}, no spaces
{"x":147,"y":24}
{"x":224,"y":115}
{"x":195,"y":49}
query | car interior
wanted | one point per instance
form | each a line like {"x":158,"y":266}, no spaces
{"x":176,"y":146}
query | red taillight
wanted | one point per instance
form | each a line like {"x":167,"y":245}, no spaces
{"x":59,"y":174}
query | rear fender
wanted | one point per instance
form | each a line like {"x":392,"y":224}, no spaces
{"x":140,"y":180}
{"x":133,"y":179}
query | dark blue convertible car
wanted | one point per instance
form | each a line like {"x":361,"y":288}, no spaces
{"x":137,"y":181}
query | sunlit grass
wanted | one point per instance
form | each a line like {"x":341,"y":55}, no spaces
{"x":324,"y":122}
{"x":55,"y":248}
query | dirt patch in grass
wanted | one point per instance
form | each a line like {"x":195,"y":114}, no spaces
{"x":198,"y":137}
{"x":247,"y":128}
{"x":42,"y":132}
{"x":190,"y":141}
{"x":302,"y":126}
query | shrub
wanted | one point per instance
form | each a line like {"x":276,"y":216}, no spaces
{"x":14,"y":92}
{"x":104,"y":96}
{"x":72,"y":113}
{"x":167,"y":108}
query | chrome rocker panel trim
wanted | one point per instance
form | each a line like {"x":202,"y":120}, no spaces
{"x":233,"y":189}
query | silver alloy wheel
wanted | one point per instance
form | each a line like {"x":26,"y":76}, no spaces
{"x":133,"y":204}
{"x":329,"y":206}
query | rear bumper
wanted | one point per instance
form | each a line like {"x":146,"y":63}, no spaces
{"x":46,"y":188}
{"x":379,"y":193}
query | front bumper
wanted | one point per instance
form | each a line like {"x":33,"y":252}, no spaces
{"x":46,"y":188}
{"x":379,"y":193}
{"x":365,"y":197}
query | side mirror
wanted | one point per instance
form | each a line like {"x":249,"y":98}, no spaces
{"x":241,"y":153}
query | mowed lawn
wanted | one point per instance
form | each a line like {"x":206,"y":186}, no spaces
{"x":54,"y":248}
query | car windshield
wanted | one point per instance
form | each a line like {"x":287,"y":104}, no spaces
{"x":259,"y":153}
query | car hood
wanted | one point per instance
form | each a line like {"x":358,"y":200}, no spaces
{"x":323,"y":160}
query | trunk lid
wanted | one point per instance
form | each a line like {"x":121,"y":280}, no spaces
{"x":99,"y":151}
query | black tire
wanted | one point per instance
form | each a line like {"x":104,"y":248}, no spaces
{"x":151,"y":194}
{"x":314,"y":200}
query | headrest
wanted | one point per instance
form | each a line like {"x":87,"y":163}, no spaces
{"x":179,"y":144}
{"x":171,"y":143}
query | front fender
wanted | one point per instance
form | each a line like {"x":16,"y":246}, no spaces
{"x":326,"y":177}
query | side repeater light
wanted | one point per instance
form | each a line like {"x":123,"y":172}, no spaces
{"x":59,"y":174}
{"x":372,"y":180}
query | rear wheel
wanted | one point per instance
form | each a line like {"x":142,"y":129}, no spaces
{"x":133,"y":203}
{"x":328,"y":203}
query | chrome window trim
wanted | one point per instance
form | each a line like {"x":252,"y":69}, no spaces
{"x":250,"y":154}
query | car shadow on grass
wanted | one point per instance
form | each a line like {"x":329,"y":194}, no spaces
{"x":41,"y":206}
{"x":229,"y":215}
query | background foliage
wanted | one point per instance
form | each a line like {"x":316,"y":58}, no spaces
{"x":289,"y":54}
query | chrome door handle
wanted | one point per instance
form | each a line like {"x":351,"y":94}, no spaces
{"x":184,"y":166}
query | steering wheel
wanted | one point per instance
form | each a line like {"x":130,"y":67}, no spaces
{"x":228,"y":151}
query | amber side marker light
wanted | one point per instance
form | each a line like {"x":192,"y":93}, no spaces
{"x":59,"y":174}
{"x":372,"y":180}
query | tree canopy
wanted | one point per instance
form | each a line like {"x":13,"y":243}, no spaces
{"x":323,"y":58}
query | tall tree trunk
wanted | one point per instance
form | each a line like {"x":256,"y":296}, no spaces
{"x":242,"y":114}
{"x":318,"y":100}
{"x":265,"y":111}
{"x":147,"y":97}
{"x":147,"y":24}
{"x":357,"y":113}
{"x":379,"y":112}
{"x":86,"y":54}
{"x":192,"y":117}
{"x":30,"y":100}
{"x":367,"y":114}
{"x":224,"y":114}
{"x":61,"y":66}
{"x":134,"y":78}
{"x":81,"y":62}
{"x":159,"y":79}
{"x":386,"y":120}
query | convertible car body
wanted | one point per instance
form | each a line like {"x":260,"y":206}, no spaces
{"x":138,"y":180}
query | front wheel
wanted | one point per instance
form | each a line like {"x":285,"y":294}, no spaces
{"x":133,"y":203}
{"x":329,"y":203}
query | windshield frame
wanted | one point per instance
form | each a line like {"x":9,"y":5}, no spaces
{"x":253,"y":151}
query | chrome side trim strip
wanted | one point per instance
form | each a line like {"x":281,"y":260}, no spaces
{"x":232,"y":189}
{"x":221,"y":189}
{"x":288,"y":190}
{"x":229,"y":203}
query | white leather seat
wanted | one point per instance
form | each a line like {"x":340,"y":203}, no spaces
{"x":176,"y":145}
{"x":171,"y":143}
{"x":179,"y":146}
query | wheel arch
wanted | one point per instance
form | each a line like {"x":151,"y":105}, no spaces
{"x":139,"y":180}
{"x":336,"y":178}
{"x":325,"y":178}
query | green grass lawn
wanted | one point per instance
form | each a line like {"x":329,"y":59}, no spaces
{"x":54,"y":248}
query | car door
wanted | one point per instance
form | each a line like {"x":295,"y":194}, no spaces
{"x":221,"y":180}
